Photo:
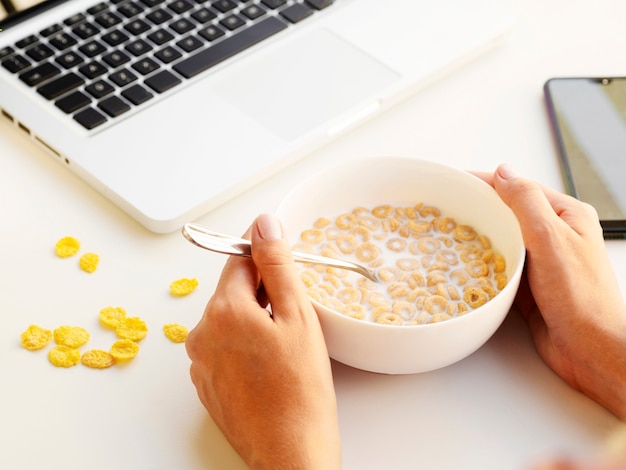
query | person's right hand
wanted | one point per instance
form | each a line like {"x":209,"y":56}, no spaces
{"x":570,"y":296}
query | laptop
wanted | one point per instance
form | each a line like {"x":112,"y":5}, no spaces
{"x":170,"y":108}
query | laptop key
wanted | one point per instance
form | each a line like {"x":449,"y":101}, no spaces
{"x":190,"y":43}
{"x":320,"y":4}
{"x":60,"y":86}
{"x":296,"y":12}
{"x":232,"y":22}
{"x":253,"y":11}
{"x":137,"y":94}
{"x":137,"y":27}
{"x":72,"y":20}
{"x":73,"y":102}
{"x":69,"y":60}
{"x":180,"y":6}
{"x":145,"y":66}
{"x":89,"y":118}
{"x":108,"y":19}
{"x":92,"y":48}
{"x":6,"y":51}
{"x":122,"y":77}
{"x":114,"y":106}
{"x":224,"y":5}
{"x":168,"y":54}
{"x":50,"y":30}
{"x":99,"y":89}
{"x":162,"y":81}
{"x":211,"y":33}
{"x":130,"y":9}
{"x":273,"y":4}
{"x":114,"y":38}
{"x":85,"y":30}
{"x":15,"y":63}
{"x":39,"y":52}
{"x":160,"y":36}
{"x":202,"y":15}
{"x":93,"y":69}
{"x":27,"y":41}
{"x":228,"y":47}
{"x":116,"y":58}
{"x":39,"y":74}
{"x":62,"y":41}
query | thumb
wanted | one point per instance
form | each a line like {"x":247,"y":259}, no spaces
{"x":272,"y":256}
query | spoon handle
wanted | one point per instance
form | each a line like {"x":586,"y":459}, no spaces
{"x":227,"y":244}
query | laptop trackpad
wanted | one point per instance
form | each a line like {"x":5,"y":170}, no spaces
{"x":304,"y":83}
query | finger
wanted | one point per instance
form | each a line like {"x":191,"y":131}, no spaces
{"x":272,"y":256}
{"x":486,"y":176}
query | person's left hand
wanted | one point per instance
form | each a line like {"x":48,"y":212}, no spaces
{"x":266,"y":379}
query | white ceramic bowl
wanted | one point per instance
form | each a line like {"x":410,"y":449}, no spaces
{"x":404,"y":182}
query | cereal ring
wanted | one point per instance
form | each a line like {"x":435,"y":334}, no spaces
{"x":477,"y":268}
{"x":175,"y":332}
{"x":35,"y":337}
{"x":416,"y":280}
{"x":331,"y":233}
{"x":112,"y":316}
{"x":313,"y":236}
{"x":328,"y":288}
{"x":407,"y":264}
{"x":362,"y":233}
{"x":464,"y":233}
{"x":438,"y":266}
{"x":452,"y":308}
{"x":447,"y":256}
{"x":428,"y":245}
{"x":501,"y":280}
{"x":470,"y":253}
{"x":499,"y":264}
{"x":360,"y":210}
{"x":378,"y":299}
{"x":64,"y":356}
{"x":411,"y":212}
{"x":439,"y":317}
{"x":333,"y":304}
{"x":459,"y":276}
{"x":484,"y":242}
{"x":124,"y":349}
{"x":435,"y":277}
{"x":132,"y":328}
{"x":89,"y":262}
{"x":453,"y":293}
{"x":426,"y":211}
{"x":382,"y":211}
{"x":317,"y":294}
{"x":446,"y":224}
{"x":435,"y":304}
{"x":446,"y":241}
{"x":421,"y":319}
{"x":389,"y":318}
{"x":367,"y":252}
{"x":418,"y":227}
{"x":369,"y":222}
{"x":309,"y":278}
{"x":66,"y":247}
{"x":488,"y":255}
{"x":321,"y":222}
{"x":346,"y":243}
{"x":406,"y":310}
{"x":475,"y":297}
{"x":349,"y":295}
{"x":71,"y":336}
{"x":346,"y":221}
{"x":355,"y":311}
{"x":183,"y":286}
{"x":417,"y":293}
{"x":97,"y":359}
{"x":396,"y":244}
{"x":388,"y":274}
{"x":398,"y":290}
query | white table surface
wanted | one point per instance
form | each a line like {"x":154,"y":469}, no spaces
{"x":501,"y":408}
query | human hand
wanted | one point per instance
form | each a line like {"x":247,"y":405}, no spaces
{"x":570,"y":296}
{"x":266,"y":379}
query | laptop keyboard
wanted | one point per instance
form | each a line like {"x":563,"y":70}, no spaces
{"x":100,"y":64}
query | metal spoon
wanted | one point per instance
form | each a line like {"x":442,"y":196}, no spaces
{"x":227,"y":244}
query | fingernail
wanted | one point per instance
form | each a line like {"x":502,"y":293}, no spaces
{"x":269,"y":227}
{"x":506,"y":171}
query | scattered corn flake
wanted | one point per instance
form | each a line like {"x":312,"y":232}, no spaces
{"x":112,"y":316}
{"x":175,"y":332}
{"x":124,"y":349}
{"x":183,"y":286}
{"x":133,"y":328}
{"x":89,"y":262}
{"x":64,"y":356}
{"x":35,"y":337}
{"x":71,"y":336}
{"x":66,"y":247}
{"x":97,"y":359}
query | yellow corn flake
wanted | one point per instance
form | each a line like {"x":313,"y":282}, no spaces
{"x":124,"y":349}
{"x":35,"y":337}
{"x":133,"y":328}
{"x":175,"y":332}
{"x":97,"y":359}
{"x":72,"y":336}
{"x":111,"y":317}
{"x":64,"y":356}
{"x":89,"y":262}
{"x":183,"y":286}
{"x":66,"y":247}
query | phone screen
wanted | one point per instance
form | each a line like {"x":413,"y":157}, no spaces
{"x":588,"y":117}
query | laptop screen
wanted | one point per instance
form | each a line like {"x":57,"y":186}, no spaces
{"x":14,"y":11}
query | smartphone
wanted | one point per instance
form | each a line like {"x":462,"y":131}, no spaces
{"x":588,"y":120}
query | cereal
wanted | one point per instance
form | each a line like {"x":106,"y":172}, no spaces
{"x":132,"y":328}
{"x":97,"y":359}
{"x":112,"y":316}
{"x":66,"y":247}
{"x":430,"y":267}
{"x":71,"y":336}
{"x":35,"y":337}
{"x":124,"y":349}
{"x":183,"y":286}
{"x":64,"y":356}
{"x":89,"y":262}
{"x":175,"y":333}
